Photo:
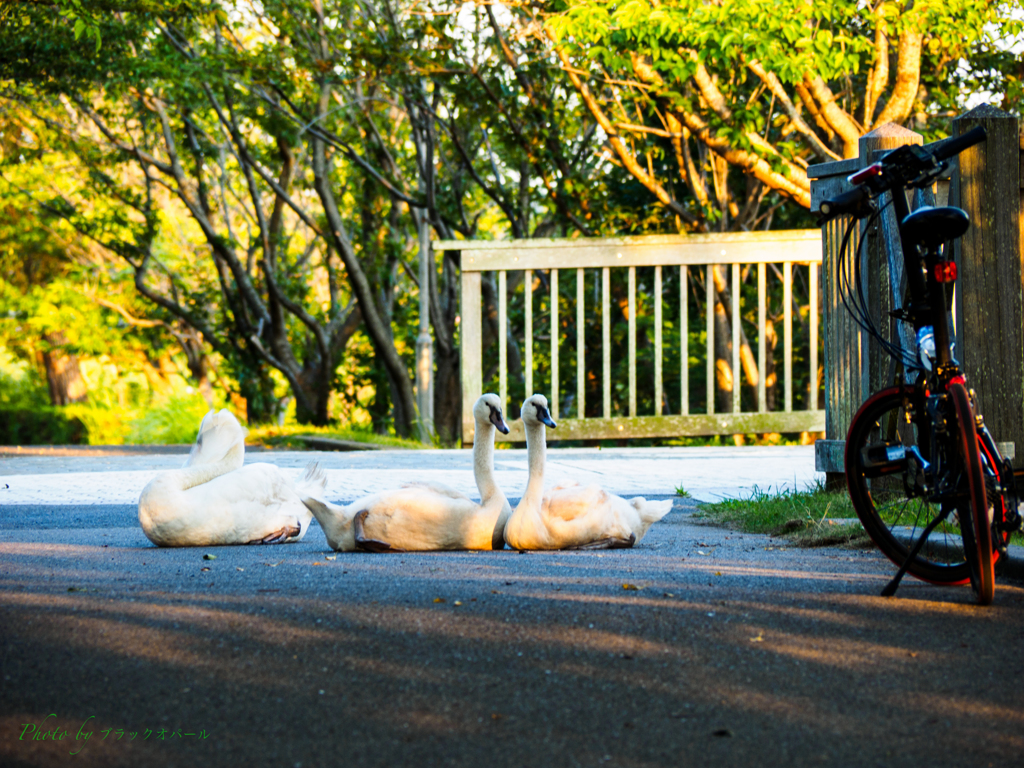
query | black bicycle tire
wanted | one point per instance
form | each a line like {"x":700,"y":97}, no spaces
{"x":881,"y":534}
{"x":978,"y":541}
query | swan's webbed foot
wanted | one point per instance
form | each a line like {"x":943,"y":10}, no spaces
{"x":367,"y":544}
{"x":280,"y":536}
{"x":613,"y":542}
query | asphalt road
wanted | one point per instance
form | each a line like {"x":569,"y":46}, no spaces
{"x":699,"y":647}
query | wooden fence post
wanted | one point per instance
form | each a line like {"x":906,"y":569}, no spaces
{"x":990,"y":318}
{"x":470,"y":335}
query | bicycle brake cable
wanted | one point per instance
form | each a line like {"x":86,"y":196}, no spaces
{"x":855,"y":302}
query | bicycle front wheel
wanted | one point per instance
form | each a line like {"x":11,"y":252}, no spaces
{"x":883,"y":476}
{"x":977,"y":535}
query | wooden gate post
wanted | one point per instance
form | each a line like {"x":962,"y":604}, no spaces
{"x":990,"y":319}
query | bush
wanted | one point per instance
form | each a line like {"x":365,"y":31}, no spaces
{"x":176,"y":420}
{"x":41,"y":426}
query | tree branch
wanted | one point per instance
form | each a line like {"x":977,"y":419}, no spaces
{"x":838,"y":119}
{"x":775,"y":86}
{"x":908,"y":77}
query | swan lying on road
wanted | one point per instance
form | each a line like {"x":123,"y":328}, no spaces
{"x":427,"y":516}
{"x":214,"y":499}
{"x":573,"y":517}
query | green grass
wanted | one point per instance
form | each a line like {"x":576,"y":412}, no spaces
{"x":807,"y":518}
{"x":682,"y":492}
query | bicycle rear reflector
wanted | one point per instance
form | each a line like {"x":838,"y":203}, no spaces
{"x":945,"y":271}
{"x":871,"y":172}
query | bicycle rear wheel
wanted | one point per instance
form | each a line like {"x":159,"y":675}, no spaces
{"x":977,"y":534}
{"x":884,"y":480}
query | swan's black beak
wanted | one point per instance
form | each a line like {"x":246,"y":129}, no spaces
{"x":544,"y":417}
{"x":498,"y":421}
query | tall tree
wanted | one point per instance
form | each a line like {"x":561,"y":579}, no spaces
{"x":717,"y":108}
{"x":764,"y":86}
{"x":158,"y":120}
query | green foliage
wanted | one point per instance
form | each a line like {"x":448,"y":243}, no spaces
{"x":26,"y":418}
{"x":21,"y":387}
{"x":176,"y":420}
{"x":40,"y":426}
{"x":966,"y":42}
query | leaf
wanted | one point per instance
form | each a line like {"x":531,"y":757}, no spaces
{"x":440,"y":600}
{"x":631,"y":587}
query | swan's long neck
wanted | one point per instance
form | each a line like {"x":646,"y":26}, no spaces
{"x":536,"y":455}
{"x":483,"y":466}
{"x":336,"y":522}
{"x":190,"y":477}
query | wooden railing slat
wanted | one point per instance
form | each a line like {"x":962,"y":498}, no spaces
{"x":787,"y":329}
{"x":762,"y":330}
{"x":528,"y":282}
{"x":554,"y":343}
{"x":693,"y":425}
{"x":709,"y":281}
{"x":736,"y":370}
{"x":503,"y":340}
{"x":606,"y":341}
{"x":631,"y":325}
{"x":581,"y":355}
{"x":657,"y":341}
{"x":684,"y":340}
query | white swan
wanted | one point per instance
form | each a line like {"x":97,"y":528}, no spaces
{"x":572,"y":517}
{"x":427,"y":516}
{"x":214,"y":499}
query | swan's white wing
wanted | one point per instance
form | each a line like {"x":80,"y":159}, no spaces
{"x":563,"y":486}
{"x":438,"y":488}
{"x":574,"y":502}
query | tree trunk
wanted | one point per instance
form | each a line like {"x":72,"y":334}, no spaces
{"x":448,"y":398}
{"x":380,"y":406}
{"x":256,"y":386}
{"x":63,"y":376}
{"x":723,"y":360}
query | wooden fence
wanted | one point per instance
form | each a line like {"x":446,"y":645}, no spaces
{"x":988,"y":314}
{"x":788,"y":249}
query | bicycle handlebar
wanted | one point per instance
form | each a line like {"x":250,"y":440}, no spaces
{"x":851,"y":201}
{"x":958,"y":144}
{"x":909,"y":165}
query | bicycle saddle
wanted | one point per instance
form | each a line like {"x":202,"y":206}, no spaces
{"x":931,"y":227}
